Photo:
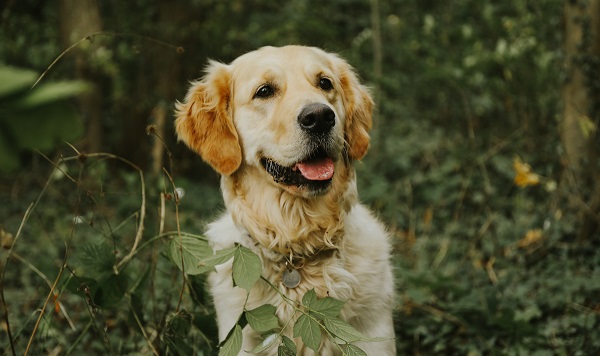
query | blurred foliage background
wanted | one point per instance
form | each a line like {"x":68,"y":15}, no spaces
{"x":483,"y":164}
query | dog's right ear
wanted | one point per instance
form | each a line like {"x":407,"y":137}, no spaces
{"x":204,"y":123}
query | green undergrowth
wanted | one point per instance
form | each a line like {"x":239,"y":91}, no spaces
{"x":93,"y":249}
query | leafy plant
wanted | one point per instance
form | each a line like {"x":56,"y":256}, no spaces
{"x":317,"y":315}
{"x":35,"y":118}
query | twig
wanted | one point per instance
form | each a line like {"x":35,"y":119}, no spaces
{"x":179,"y":49}
{"x":161,"y":225}
{"x":294,"y":304}
{"x":50,"y":294}
{"x":92,"y":308}
{"x":176,"y":199}
{"x":140,"y":229}
{"x":48,"y":282}
{"x":139,"y":323}
{"x":4,"y":307}
{"x":28,"y":212}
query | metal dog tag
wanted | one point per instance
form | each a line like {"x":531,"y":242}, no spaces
{"x":291,"y":278}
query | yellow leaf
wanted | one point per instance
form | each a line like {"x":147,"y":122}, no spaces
{"x":587,"y":126}
{"x":532,"y":237}
{"x":524,"y":176}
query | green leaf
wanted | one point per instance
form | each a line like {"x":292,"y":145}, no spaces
{"x":49,"y":93}
{"x":309,"y":298}
{"x":13,"y":80}
{"x":246,"y":268}
{"x":220,"y":257}
{"x":179,"y":324}
{"x":347,"y":332}
{"x":309,"y":330}
{"x":283,"y":350}
{"x":9,"y":156}
{"x":176,"y":331}
{"x":266,"y":343}
{"x":43,"y":126}
{"x":111,"y":290}
{"x":352,"y":350}
{"x":262,"y":318}
{"x":322,"y":307}
{"x":287,"y":348}
{"x":96,"y":259}
{"x":233,"y":343}
{"x":289,"y":344}
{"x":192,"y":250}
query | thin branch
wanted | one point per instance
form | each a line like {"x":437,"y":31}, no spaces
{"x":179,"y":49}
{"x":49,"y":283}
{"x":4,"y":307}
{"x":50,"y":294}
{"x":139,"y":323}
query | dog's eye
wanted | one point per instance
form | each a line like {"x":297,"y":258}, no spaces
{"x":264,"y":91}
{"x":325,"y":84}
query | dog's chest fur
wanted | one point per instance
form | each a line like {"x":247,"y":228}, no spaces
{"x":353,"y":273}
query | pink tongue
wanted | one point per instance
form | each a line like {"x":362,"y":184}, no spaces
{"x":317,"y":170}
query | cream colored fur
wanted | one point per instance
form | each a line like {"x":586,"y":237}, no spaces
{"x":224,"y":122}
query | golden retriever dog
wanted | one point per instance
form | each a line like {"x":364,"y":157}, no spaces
{"x":283,"y":127}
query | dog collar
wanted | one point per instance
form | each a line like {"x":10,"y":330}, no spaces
{"x":291,"y":276}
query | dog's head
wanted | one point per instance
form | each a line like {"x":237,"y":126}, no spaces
{"x":294,"y":113}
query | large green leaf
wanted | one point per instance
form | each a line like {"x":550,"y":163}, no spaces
{"x":233,"y":343}
{"x":49,"y":93}
{"x":9,"y":159}
{"x":96,"y":260}
{"x":111,"y":290}
{"x":34,"y":119}
{"x":246,"y":268}
{"x":42,"y":127}
{"x":352,"y":350}
{"x":190,"y":250}
{"x":220,"y":257}
{"x":283,"y":350}
{"x":347,"y":332}
{"x":343,"y":330}
{"x":309,"y":330}
{"x":287,"y":347}
{"x":14,"y":80}
{"x":322,"y":307}
{"x":262,"y":318}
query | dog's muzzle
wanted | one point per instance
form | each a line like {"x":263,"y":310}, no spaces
{"x":314,"y":171}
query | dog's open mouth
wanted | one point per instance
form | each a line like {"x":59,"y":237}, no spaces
{"x":315,"y":172}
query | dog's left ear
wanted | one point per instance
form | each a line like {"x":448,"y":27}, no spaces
{"x":204,"y":122}
{"x":359,"y":111}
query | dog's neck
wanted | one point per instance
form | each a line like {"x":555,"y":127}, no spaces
{"x":285,"y":223}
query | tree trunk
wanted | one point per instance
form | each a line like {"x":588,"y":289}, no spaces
{"x":377,"y":70}
{"x":168,"y":78}
{"x":81,"y":18}
{"x":581,"y":108}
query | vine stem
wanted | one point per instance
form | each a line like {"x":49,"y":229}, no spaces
{"x":293,"y":303}
{"x":26,"y":216}
{"x":139,"y":323}
{"x":43,"y":311}
{"x":98,"y":34}
{"x":140,"y":230}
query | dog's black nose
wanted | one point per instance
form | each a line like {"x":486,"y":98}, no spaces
{"x":316,"y":118}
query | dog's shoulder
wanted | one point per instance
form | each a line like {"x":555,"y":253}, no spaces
{"x":222,"y":233}
{"x":365,"y":231}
